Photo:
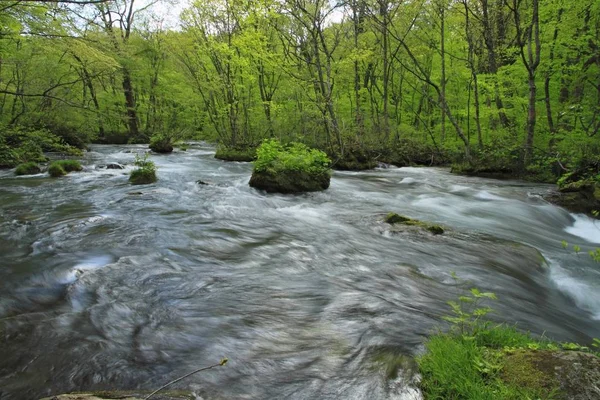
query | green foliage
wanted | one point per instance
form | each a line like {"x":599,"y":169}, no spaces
{"x":145,"y":173}
{"x":273,"y":156}
{"x":20,"y":145}
{"x":28,"y":168}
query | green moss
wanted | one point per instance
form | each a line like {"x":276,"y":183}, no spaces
{"x":246,"y":154}
{"x":142,"y":176}
{"x":435,"y":229}
{"x":55,"y":170}
{"x":63,"y":167}
{"x":28,"y":168}
{"x":289,"y":181}
{"x":393,"y":218}
{"x":519,"y":370}
{"x":69,"y":165}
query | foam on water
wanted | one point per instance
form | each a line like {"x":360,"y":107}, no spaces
{"x":585,"y":228}
{"x":485,"y":195}
{"x":583,"y":294}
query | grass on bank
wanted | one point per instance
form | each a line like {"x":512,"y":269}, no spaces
{"x":478,"y":360}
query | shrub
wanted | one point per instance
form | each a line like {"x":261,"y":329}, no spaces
{"x":273,"y":156}
{"x":28,"y":168}
{"x":145,"y":173}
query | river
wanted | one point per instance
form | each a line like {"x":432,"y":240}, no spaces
{"x":105,"y":285}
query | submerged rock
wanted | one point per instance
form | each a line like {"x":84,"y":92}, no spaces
{"x":393,"y":219}
{"x":290,"y":181}
{"x":574,"y":375}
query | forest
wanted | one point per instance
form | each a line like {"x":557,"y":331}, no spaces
{"x":509,"y":86}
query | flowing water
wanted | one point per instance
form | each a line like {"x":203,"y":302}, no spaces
{"x":105,"y":285}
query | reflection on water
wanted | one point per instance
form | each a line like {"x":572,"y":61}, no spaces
{"x":104,"y":285}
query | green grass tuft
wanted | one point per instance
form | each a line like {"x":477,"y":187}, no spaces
{"x":56,"y":170}
{"x":28,"y":168}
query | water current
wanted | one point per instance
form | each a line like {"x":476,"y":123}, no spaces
{"x":104,"y":285}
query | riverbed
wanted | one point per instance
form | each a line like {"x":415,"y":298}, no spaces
{"x":105,"y":285}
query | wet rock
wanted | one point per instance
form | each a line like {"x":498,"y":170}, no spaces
{"x":578,"y":197}
{"x":201,"y":182}
{"x":575,"y":375}
{"x":289,"y":181}
{"x":399,"y":221}
{"x":114,"y":166}
{"x":393,"y":218}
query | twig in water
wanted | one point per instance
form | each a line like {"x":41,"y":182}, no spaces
{"x":222,"y":363}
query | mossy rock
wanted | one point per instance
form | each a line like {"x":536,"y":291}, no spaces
{"x":29,"y":168}
{"x":56,"y":170}
{"x":568,"y":375}
{"x":393,"y":219}
{"x":435,"y":229}
{"x":289,"y":181}
{"x":162,"y":145}
{"x":142,"y":176}
{"x":245,"y":154}
{"x":579,"y":196}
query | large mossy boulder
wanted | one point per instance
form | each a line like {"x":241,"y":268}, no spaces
{"x":570,"y":375}
{"x":293,"y":168}
{"x":244,"y":154}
